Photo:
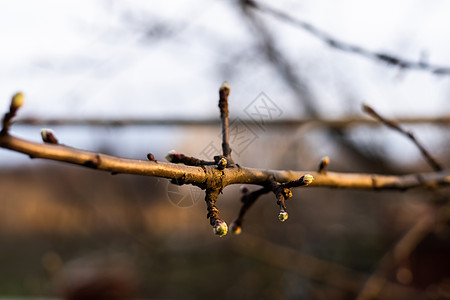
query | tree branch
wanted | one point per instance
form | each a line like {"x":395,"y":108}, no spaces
{"x":210,"y":176}
{"x":205,"y":175}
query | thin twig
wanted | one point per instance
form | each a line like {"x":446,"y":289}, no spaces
{"x":389,"y":59}
{"x":394,"y":125}
{"x":223,"y":105}
{"x":247,"y":199}
{"x":176,"y":158}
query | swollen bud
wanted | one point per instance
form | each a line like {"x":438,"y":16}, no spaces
{"x":224,"y":86}
{"x":308,"y":179}
{"x":222,"y":163}
{"x":48,"y":136}
{"x":170,"y":154}
{"x":17,"y":101}
{"x":220,"y":228}
{"x":224,"y":91}
{"x":283,"y":216}
{"x":235,"y":228}
{"x":151,"y":157}
{"x":244,"y":189}
{"x":323,"y":164}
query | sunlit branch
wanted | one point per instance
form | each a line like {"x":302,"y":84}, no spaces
{"x":237,"y":175}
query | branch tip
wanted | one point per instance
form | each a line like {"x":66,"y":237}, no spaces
{"x":307,"y":179}
{"x":366,"y":107}
{"x":236,"y":227}
{"x":17,"y":101}
{"x":225,"y":88}
{"x":304,"y":180}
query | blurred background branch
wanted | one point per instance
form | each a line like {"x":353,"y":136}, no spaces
{"x":388,"y":59}
{"x":325,"y":122}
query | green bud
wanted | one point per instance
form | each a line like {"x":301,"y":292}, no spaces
{"x":220,"y":228}
{"x":283,"y":216}
{"x":17,"y":101}
{"x":308,"y":179}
